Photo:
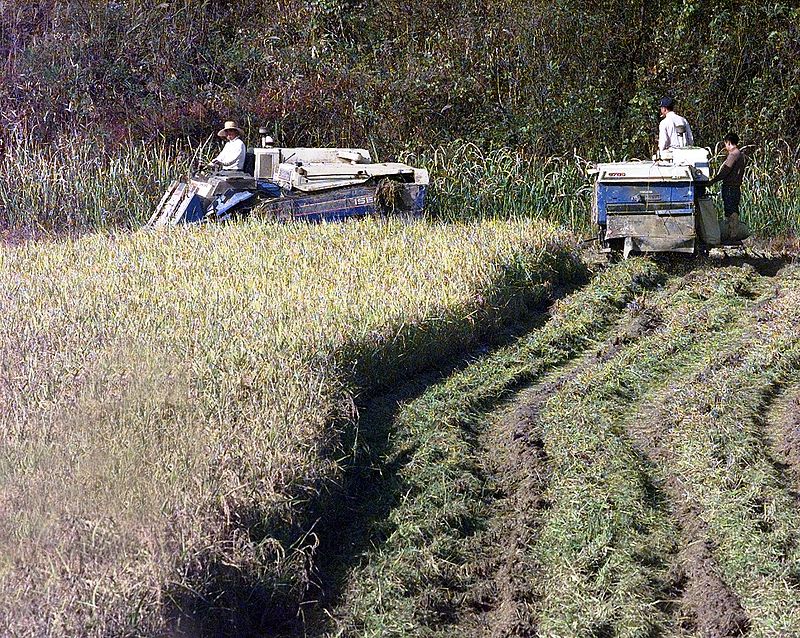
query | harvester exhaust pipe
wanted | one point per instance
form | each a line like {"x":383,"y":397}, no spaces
{"x":266,"y":140}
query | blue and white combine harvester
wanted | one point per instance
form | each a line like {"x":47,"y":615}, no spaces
{"x":656,"y":206}
{"x":312,"y":184}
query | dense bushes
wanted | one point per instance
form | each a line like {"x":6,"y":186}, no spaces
{"x":546,"y":74}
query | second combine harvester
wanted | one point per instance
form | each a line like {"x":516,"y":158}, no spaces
{"x":659,"y":205}
{"x":314,"y":184}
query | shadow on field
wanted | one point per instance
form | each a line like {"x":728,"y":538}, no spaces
{"x":356,"y":519}
{"x":764,"y":264}
{"x":339,"y":525}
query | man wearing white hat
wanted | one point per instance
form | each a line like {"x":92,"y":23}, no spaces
{"x":232,"y":155}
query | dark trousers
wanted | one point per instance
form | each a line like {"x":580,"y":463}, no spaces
{"x":731,"y":196}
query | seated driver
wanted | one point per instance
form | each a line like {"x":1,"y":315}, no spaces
{"x":233,"y":154}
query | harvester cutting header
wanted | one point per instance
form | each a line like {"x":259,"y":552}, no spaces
{"x":314,"y":184}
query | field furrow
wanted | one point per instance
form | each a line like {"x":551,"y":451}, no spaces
{"x":425,"y":574}
{"x":608,"y":540}
{"x":705,"y":433}
{"x":783,"y":431}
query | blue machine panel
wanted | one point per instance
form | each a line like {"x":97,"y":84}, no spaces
{"x":342,"y":203}
{"x":670,"y":198}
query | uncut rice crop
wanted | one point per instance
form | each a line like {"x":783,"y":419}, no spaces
{"x":172,"y":400}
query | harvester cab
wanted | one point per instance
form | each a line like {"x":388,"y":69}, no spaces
{"x":656,"y":206}
{"x":314,"y":184}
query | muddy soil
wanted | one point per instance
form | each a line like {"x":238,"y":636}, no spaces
{"x":784,"y":426}
{"x":501,"y":601}
{"x":709,"y":607}
{"x":503,"y":584}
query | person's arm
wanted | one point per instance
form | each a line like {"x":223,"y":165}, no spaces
{"x":726,"y":168}
{"x":689,"y":136}
{"x":216,"y":161}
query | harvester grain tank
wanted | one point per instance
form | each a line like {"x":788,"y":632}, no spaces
{"x":659,"y":205}
{"x":313,"y":184}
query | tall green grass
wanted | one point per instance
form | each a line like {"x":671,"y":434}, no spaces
{"x":74,"y":185}
{"x":771,"y":192}
{"x":473,"y":183}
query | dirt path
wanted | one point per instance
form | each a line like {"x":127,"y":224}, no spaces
{"x":512,"y":454}
{"x":783,"y":424}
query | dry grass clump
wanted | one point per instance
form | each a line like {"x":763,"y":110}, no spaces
{"x":169,"y":398}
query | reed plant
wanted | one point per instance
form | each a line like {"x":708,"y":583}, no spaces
{"x":470,"y":182}
{"x":76,"y":185}
{"x":771,"y":192}
{"x":172,"y":401}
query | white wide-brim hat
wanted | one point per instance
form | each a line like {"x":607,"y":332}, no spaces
{"x":230,"y":126}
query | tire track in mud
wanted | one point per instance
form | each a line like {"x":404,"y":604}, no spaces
{"x":783,"y":433}
{"x":517,"y":460}
{"x":513,"y":457}
{"x":514,"y":460}
{"x":422,"y":575}
{"x":714,"y":601}
{"x":712,"y":609}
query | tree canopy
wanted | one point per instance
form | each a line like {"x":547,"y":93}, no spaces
{"x":549,"y":75}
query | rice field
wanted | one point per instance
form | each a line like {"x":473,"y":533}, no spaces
{"x":627,"y":469}
{"x":174,"y":403}
{"x":387,"y":428}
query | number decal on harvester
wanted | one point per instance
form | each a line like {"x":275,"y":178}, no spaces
{"x":362,"y":201}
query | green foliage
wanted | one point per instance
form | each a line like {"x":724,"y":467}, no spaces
{"x":470,"y":183}
{"x":76,"y":187}
{"x":552,"y":76}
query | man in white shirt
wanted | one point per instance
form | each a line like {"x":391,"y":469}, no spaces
{"x":669,"y":133}
{"x":233,"y":154}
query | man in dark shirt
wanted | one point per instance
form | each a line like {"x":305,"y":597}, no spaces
{"x":731,"y":174}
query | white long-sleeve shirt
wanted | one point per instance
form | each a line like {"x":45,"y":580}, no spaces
{"x":668,"y":136}
{"x":232,"y":155}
